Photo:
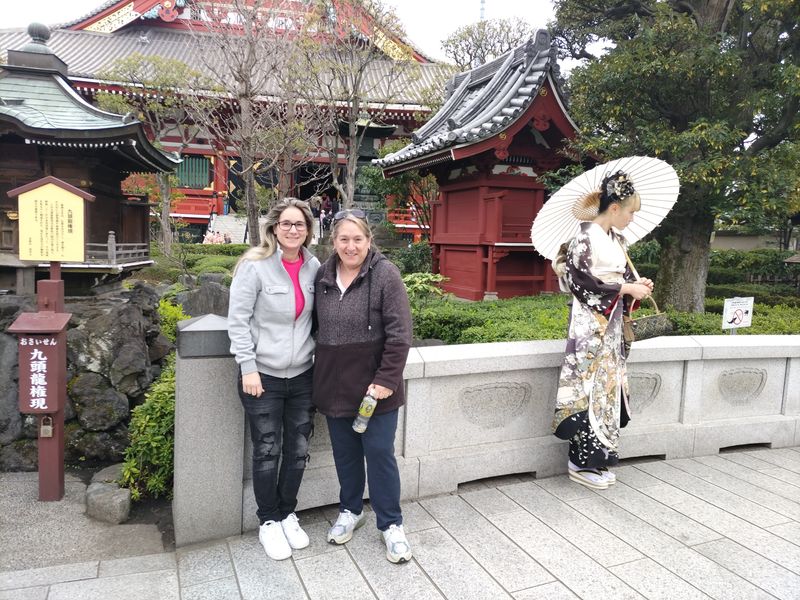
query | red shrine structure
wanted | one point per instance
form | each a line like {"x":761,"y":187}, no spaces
{"x":502,"y":125}
{"x":91,"y":43}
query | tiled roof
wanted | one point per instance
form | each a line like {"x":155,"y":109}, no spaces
{"x":89,"y":54}
{"x":485,"y":100}
{"x":47,"y":111}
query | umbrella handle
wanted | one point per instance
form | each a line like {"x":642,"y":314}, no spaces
{"x":636,"y":274}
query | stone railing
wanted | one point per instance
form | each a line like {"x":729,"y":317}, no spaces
{"x":482,"y":410}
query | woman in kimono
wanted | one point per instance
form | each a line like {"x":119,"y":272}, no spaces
{"x":592,"y":401}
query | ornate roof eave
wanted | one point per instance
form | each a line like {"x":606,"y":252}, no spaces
{"x":484,"y":103}
{"x":428,"y":160}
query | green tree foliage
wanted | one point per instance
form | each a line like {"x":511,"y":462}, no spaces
{"x":478,"y":43}
{"x":408,"y":189}
{"x":711,"y":87}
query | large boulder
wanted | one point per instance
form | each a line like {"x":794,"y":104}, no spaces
{"x":21,"y":455}
{"x":108,"y":502}
{"x":210,"y":298}
{"x":97,"y":404}
{"x":100,"y":446}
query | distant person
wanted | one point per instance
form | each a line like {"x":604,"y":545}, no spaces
{"x":363,"y":339}
{"x":269,"y":325}
{"x":208,"y":238}
{"x":227,"y":238}
{"x":592,"y":399}
{"x":218,"y":239}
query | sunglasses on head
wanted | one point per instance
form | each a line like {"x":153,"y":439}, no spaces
{"x":356,"y":212}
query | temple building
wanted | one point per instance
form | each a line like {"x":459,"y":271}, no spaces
{"x":502,"y":125}
{"x":91,"y":43}
{"x":47,"y":129}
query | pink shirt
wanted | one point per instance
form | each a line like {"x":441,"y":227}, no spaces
{"x":293,"y":268}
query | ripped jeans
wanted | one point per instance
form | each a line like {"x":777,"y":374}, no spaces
{"x":281,"y":424}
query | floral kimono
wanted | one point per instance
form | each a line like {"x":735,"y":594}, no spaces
{"x":591,"y":405}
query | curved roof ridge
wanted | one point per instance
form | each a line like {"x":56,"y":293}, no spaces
{"x":441,"y":116}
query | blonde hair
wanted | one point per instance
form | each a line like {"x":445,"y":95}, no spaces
{"x":269,"y":241}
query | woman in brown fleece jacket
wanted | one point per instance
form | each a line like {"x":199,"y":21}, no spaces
{"x":363,"y":339}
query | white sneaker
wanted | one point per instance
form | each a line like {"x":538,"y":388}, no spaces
{"x":591,"y":478}
{"x":271,"y":536}
{"x":295,"y":535}
{"x":397,"y":548}
{"x":346,"y":523}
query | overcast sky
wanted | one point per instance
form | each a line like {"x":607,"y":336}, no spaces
{"x":427,"y":22}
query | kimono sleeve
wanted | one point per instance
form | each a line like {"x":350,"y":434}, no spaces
{"x":588,"y":289}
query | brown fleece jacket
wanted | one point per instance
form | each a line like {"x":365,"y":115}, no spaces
{"x":363,"y":336}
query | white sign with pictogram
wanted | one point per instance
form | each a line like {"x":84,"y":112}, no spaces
{"x":737,"y":312}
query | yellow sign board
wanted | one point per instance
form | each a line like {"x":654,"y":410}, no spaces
{"x":51,"y":225}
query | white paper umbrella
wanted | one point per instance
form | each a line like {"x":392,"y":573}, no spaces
{"x":655,"y":181}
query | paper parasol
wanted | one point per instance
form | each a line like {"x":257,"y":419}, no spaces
{"x":654,"y":180}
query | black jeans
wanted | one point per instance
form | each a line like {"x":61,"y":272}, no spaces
{"x":376,"y":444}
{"x":281,"y":424}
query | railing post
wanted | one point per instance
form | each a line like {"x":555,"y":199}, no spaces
{"x":112,"y":248}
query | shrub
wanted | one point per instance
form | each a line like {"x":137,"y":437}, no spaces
{"x":417,"y":258}
{"x":170,"y":315}
{"x":422,"y":287}
{"x":158,"y":274}
{"x":216,"y":249}
{"x":148,"y":466}
{"x":645,"y":252}
{"x":770,"y":295}
{"x":725,"y":275}
{"x":213,"y":264}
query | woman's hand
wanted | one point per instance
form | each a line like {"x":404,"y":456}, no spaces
{"x":639,"y":291}
{"x":251,"y":384}
{"x":647,"y":282}
{"x":379,"y":392}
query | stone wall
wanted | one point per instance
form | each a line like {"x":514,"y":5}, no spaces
{"x":482,"y":410}
{"x":114,"y":352}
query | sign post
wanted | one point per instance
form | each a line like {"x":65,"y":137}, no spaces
{"x":736,"y":313}
{"x":51,"y":228}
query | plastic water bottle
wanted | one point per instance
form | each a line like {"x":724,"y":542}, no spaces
{"x":368,"y":404}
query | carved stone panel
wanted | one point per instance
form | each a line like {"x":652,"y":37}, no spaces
{"x":644,"y":388}
{"x":494,"y":405}
{"x":741,"y":386}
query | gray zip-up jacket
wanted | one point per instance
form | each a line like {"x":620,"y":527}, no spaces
{"x":265,"y":336}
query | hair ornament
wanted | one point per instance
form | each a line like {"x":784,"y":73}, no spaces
{"x":617,"y":187}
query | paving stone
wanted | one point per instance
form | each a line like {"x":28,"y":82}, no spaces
{"x":137,"y":564}
{"x":490,"y":502}
{"x":754,"y":568}
{"x":783,"y":475}
{"x":656,"y":582}
{"x":261,"y":578}
{"x":634,"y":477}
{"x":348,"y":584}
{"x":739,"y":485}
{"x":46,"y":575}
{"x":788,"y":531}
{"x":200,"y":564}
{"x":728,"y":501}
{"x":572,"y":525}
{"x":577,"y":571}
{"x":563,"y":488}
{"x":416,"y":518}
{"x":746,"y":460}
{"x":627,"y":527}
{"x":369,"y":553}
{"x":158,"y":585}
{"x":317,"y":538}
{"x":220,"y":589}
{"x":780,"y":457}
{"x":505,"y":562}
{"x":758,"y":478}
{"x":34,"y":593}
{"x":548,"y":591}
{"x":664,"y":518}
{"x":451,"y":569}
{"x":756,"y":539}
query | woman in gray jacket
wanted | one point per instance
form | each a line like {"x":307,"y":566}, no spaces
{"x":269,"y":324}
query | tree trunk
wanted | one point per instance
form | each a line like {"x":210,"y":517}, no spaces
{"x":248,"y":174}
{"x":166,"y":203}
{"x":685,"y":245}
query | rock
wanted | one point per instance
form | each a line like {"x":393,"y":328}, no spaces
{"x":159,"y":347}
{"x":108,"y":502}
{"x":104,"y":446}
{"x":97,"y":404}
{"x":209,"y":299}
{"x":111,"y":474}
{"x":10,"y":419}
{"x":212,"y":277}
{"x":21,"y":455}
{"x":130,"y":371}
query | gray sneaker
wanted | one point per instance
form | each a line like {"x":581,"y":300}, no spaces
{"x":346,"y":523}
{"x":397,"y":547}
